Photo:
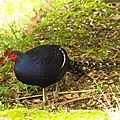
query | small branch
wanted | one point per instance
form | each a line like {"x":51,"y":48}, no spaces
{"x":73,"y":100}
{"x":82,"y":98}
{"x":49,"y":94}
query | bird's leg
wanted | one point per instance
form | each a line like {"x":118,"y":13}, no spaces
{"x":45,"y":99}
{"x":55,"y":93}
{"x":44,"y":95}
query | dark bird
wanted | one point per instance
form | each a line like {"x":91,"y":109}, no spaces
{"x":46,"y":65}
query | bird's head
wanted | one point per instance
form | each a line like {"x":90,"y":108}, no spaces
{"x":15,"y":56}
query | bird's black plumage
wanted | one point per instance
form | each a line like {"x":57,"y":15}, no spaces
{"x":43,"y":65}
{"x":47,"y":64}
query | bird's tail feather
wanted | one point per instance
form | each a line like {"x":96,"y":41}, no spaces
{"x":79,"y":68}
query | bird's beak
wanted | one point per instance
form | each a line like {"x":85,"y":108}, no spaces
{"x":6,"y":58}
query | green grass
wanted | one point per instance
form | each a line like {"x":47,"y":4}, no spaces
{"x":32,"y":114}
{"x":64,"y":27}
{"x":15,"y":16}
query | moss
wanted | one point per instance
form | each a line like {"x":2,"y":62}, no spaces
{"x":35,"y":114}
{"x":25,"y":114}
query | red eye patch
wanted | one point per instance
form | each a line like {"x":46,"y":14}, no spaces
{"x":13,"y":56}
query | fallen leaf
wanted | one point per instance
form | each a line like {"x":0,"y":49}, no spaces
{"x":7,"y":51}
{"x":1,"y":61}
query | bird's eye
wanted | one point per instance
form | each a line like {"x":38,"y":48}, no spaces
{"x":12,"y":56}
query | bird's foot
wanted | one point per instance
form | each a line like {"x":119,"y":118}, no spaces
{"x":55,"y":93}
{"x":45,"y":103}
